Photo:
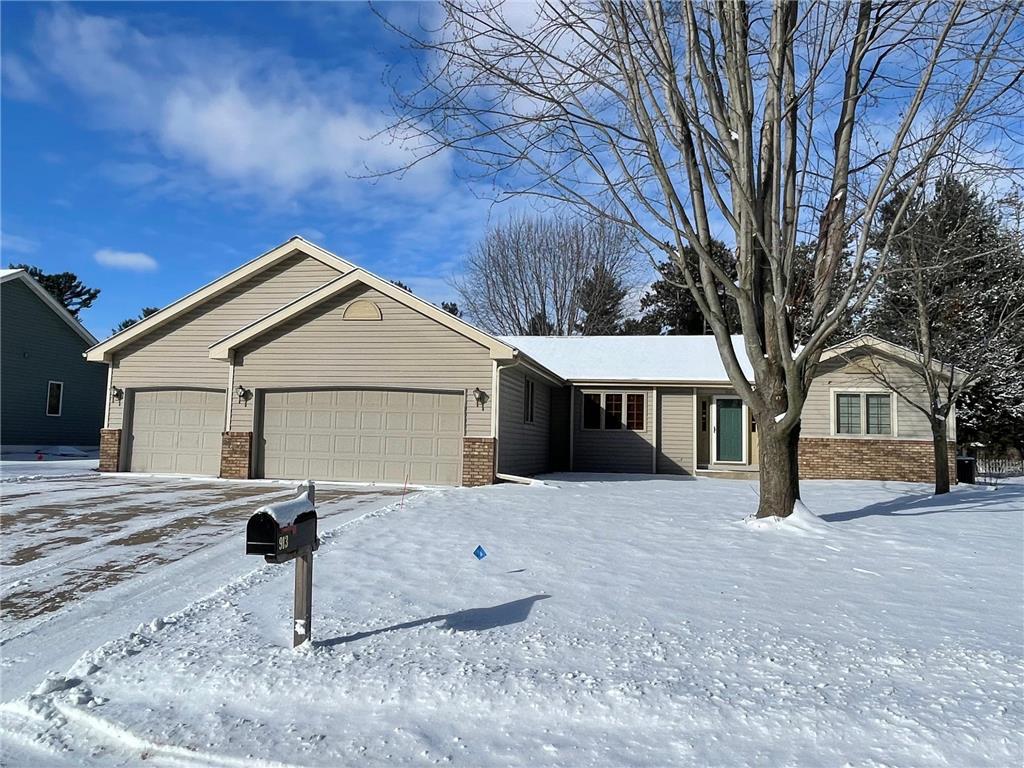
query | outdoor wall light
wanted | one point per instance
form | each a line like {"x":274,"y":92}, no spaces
{"x":479,"y":395}
{"x":116,"y":394}
{"x":243,"y":394}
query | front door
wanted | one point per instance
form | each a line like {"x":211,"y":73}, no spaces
{"x":729,"y":429}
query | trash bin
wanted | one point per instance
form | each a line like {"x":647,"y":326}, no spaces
{"x":966,"y":469}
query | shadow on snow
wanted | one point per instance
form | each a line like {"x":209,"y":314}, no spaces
{"x":470,"y":620}
{"x":913,"y":505}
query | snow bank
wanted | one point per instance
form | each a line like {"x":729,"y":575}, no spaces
{"x":802,"y":520}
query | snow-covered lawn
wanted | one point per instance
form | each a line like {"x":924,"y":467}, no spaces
{"x":615,"y":621}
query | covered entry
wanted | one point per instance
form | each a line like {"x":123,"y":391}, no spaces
{"x":729,"y":428}
{"x":176,"y":430}
{"x":367,"y":435}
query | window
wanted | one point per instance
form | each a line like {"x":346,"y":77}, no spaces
{"x":591,"y":410}
{"x":848,"y":414}
{"x":54,"y":397}
{"x":614,"y":410}
{"x":703,"y":415}
{"x":863,"y":413}
{"x":635,"y":412}
{"x":528,"y":402}
{"x":879,"y":416}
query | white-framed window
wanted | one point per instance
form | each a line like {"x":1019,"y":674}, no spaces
{"x":863,"y":412}
{"x":528,"y":402}
{"x":54,"y":397}
{"x":614,"y":410}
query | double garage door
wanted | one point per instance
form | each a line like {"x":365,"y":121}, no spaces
{"x":364,"y":435}
{"x":177,"y":430}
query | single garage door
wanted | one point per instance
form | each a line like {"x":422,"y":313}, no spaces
{"x":177,"y":430}
{"x":364,"y":435}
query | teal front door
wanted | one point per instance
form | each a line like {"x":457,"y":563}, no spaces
{"x":729,"y":429}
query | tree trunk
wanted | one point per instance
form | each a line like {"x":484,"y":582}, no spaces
{"x":941,"y":456}
{"x":780,"y":487}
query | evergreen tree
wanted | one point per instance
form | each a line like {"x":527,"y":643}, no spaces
{"x":65,"y":287}
{"x":539,"y":325}
{"x":130,"y":321}
{"x":668,"y":306}
{"x":601,"y":297}
{"x":952,"y":292}
{"x":451,"y":308}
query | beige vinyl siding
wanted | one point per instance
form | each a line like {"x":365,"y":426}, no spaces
{"x":177,"y":353}
{"x":613,"y":450}
{"x":523,"y":449}
{"x":403,"y":350}
{"x":856,"y":374}
{"x":675,"y":431}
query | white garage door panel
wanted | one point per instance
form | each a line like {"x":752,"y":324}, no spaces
{"x":363,"y":435}
{"x":177,"y":430}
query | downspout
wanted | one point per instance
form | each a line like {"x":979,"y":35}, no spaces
{"x":495,"y":389}
{"x":654,"y":435}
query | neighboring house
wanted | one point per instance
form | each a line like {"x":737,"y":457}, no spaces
{"x":300,"y":364}
{"x":49,"y":394}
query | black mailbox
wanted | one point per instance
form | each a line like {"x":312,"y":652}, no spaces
{"x":283,"y":530}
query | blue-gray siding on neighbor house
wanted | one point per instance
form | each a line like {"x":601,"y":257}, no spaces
{"x":36,"y":347}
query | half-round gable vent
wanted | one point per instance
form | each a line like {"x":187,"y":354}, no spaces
{"x":362,"y":309}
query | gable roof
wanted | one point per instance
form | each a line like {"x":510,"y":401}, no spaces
{"x":904,"y":354}
{"x":102,"y":352}
{"x":221,"y":349}
{"x":7,"y":275}
{"x":693,"y":359}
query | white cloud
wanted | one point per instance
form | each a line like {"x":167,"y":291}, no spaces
{"x":17,"y":244}
{"x":133,"y":261}
{"x":256,"y":120}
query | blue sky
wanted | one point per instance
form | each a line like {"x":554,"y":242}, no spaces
{"x":151,"y":147}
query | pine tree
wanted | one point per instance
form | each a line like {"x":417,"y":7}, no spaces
{"x":601,"y":297}
{"x":130,"y":321}
{"x":669,"y":308}
{"x":65,"y":287}
{"x":451,"y":308}
{"x":953,"y":293}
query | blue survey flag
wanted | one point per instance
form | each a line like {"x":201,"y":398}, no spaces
{"x":479,"y":553}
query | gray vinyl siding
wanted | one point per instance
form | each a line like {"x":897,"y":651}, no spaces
{"x":37,"y":346}
{"x":675,"y":431}
{"x":404,"y":349}
{"x":523,"y":449}
{"x":856,"y":374}
{"x":177,"y":353}
{"x":618,"y":450}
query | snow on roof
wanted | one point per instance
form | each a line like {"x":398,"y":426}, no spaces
{"x":8,"y":272}
{"x":630,"y":358}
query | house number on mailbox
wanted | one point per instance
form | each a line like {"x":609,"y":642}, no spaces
{"x":282,"y":542}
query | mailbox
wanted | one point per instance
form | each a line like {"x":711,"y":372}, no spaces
{"x":285,"y":529}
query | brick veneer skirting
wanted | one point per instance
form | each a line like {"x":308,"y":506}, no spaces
{"x":830,"y":458}
{"x":477,"y":461}
{"x":110,"y":450}
{"x":235,"y":455}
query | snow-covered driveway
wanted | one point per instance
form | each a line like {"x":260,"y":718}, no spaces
{"x":84,"y":555}
{"x":613,"y":622}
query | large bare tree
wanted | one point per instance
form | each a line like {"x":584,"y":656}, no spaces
{"x":776,"y":126}
{"x":530,"y":274}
